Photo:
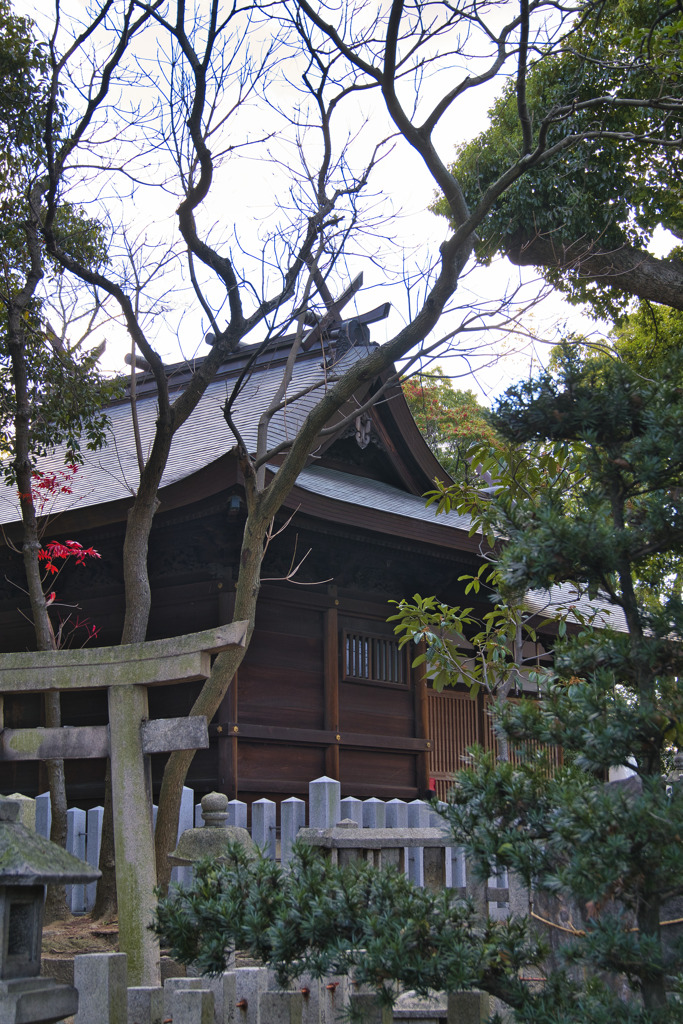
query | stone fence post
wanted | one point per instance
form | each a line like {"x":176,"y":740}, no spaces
{"x":324,"y":803}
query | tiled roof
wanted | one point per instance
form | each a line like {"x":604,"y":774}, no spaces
{"x":357,"y":490}
{"x":112,"y":473}
{"x":564,"y":597}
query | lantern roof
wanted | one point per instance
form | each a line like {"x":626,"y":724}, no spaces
{"x":29,"y":859}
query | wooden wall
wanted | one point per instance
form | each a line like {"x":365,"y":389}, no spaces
{"x":291,"y":715}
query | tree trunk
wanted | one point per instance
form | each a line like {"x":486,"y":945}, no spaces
{"x":55,"y":907}
{"x":105,"y":906}
{"x":138,"y":601}
{"x":212,"y":693}
{"x":636,"y":272}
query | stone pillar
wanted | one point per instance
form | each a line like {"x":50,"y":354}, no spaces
{"x":396,"y":813}
{"x":102,"y":988}
{"x":351,"y":808}
{"x":43,"y":815}
{"x":145,"y":1005}
{"x":75,"y":844}
{"x":323,"y":803}
{"x":193,"y":1006}
{"x":418,"y":817}
{"x":183,"y":875}
{"x":520,"y":897}
{"x":374,"y":813}
{"x":334,"y":1000}
{"x":311,"y":1009}
{"x":174,"y":985}
{"x":468,"y":1007}
{"x":476,"y":889}
{"x":280,"y":1007}
{"x":435,"y":861}
{"x":224,"y":999}
{"x":237,"y":813}
{"x":292,"y":818}
{"x":93,"y":841}
{"x":263,"y":818}
{"x":250,"y":982}
{"x":392,"y":857}
{"x":133,"y":834}
{"x":368,"y":1008}
{"x":458,"y":867}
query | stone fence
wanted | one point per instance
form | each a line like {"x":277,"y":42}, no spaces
{"x":250,"y":995}
{"x":275,"y":833}
{"x":411,"y":836}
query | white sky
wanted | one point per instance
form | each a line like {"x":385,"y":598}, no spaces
{"x":247,"y":189}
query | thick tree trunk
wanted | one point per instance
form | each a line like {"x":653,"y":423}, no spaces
{"x":138,"y":603}
{"x":634,"y":271}
{"x":45,"y":639}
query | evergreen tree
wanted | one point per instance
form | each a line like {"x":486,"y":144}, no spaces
{"x":608,"y":854}
{"x":585,"y":216}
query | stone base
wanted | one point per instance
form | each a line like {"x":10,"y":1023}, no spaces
{"x":58,"y":968}
{"x":171,"y":969}
{"x":36,"y":1001}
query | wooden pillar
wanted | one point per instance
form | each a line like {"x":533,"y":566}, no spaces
{"x":419,"y":680}
{"x":133,"y":833}
{"x":331,"y":687}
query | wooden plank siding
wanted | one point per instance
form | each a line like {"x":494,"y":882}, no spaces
{"x":295,"y":715}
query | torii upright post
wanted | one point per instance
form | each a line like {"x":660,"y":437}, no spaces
{"x":129,"y":740}
{"x":133,"y":829}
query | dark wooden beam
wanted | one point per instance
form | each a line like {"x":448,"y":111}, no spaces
{"x":319,"y":737}
{"x":331,"y":688}
{"x":400,"y":744}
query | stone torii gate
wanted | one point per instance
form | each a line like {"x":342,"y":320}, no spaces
{"x":129,"y":739}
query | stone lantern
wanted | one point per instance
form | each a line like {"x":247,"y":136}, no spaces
{"x":28,"y":863}
{"x":215,"y":838}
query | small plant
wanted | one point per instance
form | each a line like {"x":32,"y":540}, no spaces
{"x":70,"y":629}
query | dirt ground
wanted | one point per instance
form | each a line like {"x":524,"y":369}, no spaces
{"x":77,"y":935}
{"x":63,"y":940}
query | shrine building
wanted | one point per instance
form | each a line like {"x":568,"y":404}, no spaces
{"x":324,"y":688}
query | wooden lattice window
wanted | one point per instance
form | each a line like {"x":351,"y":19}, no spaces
{"x":374,"y":659}
{"x":516,"y":753}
